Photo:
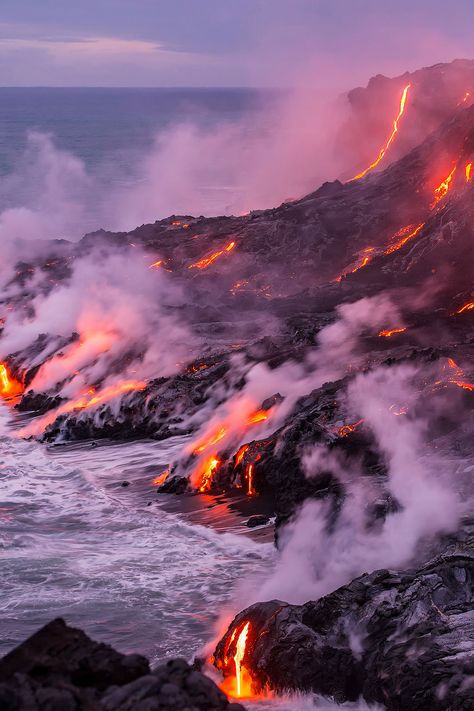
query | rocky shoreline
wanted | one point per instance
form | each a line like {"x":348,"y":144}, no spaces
{"x":335,"y":372}
{"x":60,"y":668}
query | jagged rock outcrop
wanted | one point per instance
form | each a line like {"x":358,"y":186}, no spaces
{"x":402,"y":639}
{"x":60,"y":668}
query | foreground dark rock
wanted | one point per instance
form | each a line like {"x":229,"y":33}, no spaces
{"x":60,"y":668}
{"x":405,"y":640}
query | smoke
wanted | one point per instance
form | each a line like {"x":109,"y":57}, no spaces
{"x":278,"y":150}
{"x":338,"y":352}
{"x":114,"y":319}
{"x":317,"y":559}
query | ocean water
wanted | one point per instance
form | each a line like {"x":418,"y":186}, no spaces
{"x":101,"y":124}
{"x":99,"y":145}
{"x":112,"y":559}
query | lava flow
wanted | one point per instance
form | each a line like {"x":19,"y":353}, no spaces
{"x":346,"y":430}
{"x":207,"y":261}
{"x":383,"y":151}
{"x":9,"y":387}
{"x":206,"y":472}
{"x":467,"y":307}
{"x":406,"y":234}
{"x":363,"y":263}
{"x":238,"y":682}
{"x":391,"y":332}
{"x":443,"y":188}
{"x":468,"y":172}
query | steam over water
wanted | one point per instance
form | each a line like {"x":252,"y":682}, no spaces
{"x":75,"y":543}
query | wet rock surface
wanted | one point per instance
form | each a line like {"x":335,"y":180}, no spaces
{"x":60,"y":668}
{"x":401,"y":639}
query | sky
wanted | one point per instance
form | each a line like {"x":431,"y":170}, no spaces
{"x":264,"y":43}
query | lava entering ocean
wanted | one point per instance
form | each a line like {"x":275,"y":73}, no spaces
{"x":9,"y":386}
{"x":237,"y":681}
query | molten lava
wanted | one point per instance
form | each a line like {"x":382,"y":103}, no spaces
{"x":346,"y":430}
{"x":363,"y":263}
{"x":9,"y":387}
{"x":240,"y":454}
{"x":391,"y":332}
{"x":259,"y":416}
{"x":463,"y":384}
{"x":206,"y":471}
{"x":161,"y":478}
{"x":406,"y":234}
{"x":213,"y":440}
{"x":468,"y":172}
{"x":467,"y":307}
{"x":443,"y":188}
{"x":207,"y":261}
{"x":383,"y":151}
{"x":250,"y":490}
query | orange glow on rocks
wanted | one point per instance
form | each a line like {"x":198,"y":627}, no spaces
{"x":383,"y":151}
{"x":468,"y":172}
{"x":207,"y":261}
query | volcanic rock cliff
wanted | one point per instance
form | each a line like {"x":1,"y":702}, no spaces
{"x":332,"y":369}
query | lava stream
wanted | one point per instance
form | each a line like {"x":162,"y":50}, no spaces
{"x":443,"y":188}
{"x":207,"y":261}
{"x":391,"y":331}
{"x":412,"y":232}
{"x":467,"y":307}
{"x":390,"y":139}
{"x":9,"y":387}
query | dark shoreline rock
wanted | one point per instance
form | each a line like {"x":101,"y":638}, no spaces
{"x":60,"y":668}
{"x":404,"y":640}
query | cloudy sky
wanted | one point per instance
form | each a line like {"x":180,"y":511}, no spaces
{"x":226,"y":42}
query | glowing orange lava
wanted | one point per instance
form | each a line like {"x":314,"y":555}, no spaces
{"x":213,"y":440}
{"x":407,"y":233}
{"x":250,"y":490}
{"x":443,"y":188}
{"x":462,"y":384}
{"x":206,"y":471}
{"x":156,"y":264}
{"x":390,"y":139}
{"x":363,"y":263}
{"x":467,"y":307}
{"x":240,"y":454}
{"x":237,"y":683}
{"x":347,"y":429}
{"x":161,"y":478}
{"x":9,"y":387}
{"x":468,"y":172}
{"x":207,"y":261}
{"x":391,"y":332}
{"x":104,"y":395}
{"x":259,"y":416}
